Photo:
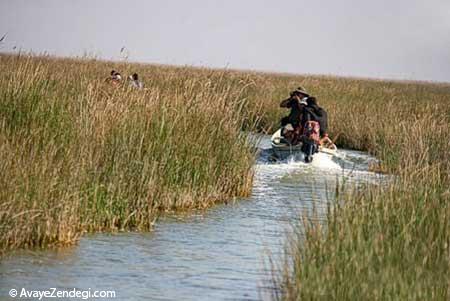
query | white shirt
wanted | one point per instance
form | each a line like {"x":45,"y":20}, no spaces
{"x":137,"y":84}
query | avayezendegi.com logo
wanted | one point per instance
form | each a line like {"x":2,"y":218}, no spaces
{"x":61,"y":293}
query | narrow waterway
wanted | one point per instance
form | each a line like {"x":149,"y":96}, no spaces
{"x":217,"y":254}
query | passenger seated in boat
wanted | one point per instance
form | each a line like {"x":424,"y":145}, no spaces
{"x":291,"y":126}
{"x":312,"y":112}
{"x":311,"y":131}
{"x":290,"y":134}
{"x":326,"y":142}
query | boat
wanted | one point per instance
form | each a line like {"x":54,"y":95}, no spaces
{"x":282,"y":149}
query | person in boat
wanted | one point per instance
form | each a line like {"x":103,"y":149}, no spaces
{"x":312,"y":113}
{"x":310,"y":137}
{"x":135,"y":82}
{"x":291,"y":124}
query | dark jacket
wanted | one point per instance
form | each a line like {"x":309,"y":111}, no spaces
{"x":294,"y":116}
{"x":315,"y":113}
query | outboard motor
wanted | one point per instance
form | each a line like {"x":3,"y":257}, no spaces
{"x":310,"y":140}
{"x":309,"y":148}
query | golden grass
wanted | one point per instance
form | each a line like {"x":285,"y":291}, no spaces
{"x":81,"y":155}
{"x":383,"y":242}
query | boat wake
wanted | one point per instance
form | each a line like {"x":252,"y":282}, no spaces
{"x":344,"y":164}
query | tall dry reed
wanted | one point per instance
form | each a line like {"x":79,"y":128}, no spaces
{"x":81,"y":155}
{"x":385,"y":242}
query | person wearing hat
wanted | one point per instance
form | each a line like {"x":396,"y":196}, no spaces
{"x":291,"y":124}
{"x":295,"y":102}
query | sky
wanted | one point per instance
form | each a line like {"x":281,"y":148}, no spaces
{"x":396,"y":39}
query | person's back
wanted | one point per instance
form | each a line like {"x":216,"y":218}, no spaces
{"x":323,"y":121}
{"x":135,"y":82}
{"x":312,"y":112}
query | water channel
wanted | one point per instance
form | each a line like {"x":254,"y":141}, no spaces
{"x":217,"y":254}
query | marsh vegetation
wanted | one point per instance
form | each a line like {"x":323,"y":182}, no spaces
{"x":79,"y":155}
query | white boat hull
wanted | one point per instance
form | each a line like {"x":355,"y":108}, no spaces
{"x":284,"y":150}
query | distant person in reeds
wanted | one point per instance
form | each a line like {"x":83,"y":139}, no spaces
{"x":115,"y":78}
{"x":291,"y":124}
{"x":135,"y":82}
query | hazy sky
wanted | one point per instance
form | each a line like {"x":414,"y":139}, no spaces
{"x":401,"y":39}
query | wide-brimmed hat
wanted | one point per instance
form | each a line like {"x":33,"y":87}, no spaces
{"x":301,"y":90}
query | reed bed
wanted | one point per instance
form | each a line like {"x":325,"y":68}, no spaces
{"x":384,"y":242}
{"x":79,"y":155}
